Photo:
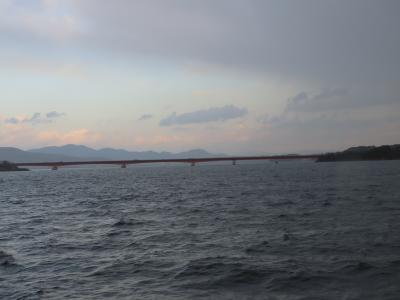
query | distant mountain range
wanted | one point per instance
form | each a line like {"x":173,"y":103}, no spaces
{"x":82,"y":153}
{"x":79,"y":153}
{"x":18,"y":155}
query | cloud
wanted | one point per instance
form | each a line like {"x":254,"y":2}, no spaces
{"x":78,"y":136}
{"x":318,"y":122}
{"x":333,"y":41}
{"x":11,"y":120}
{"x":203,"y":116}
{"x":35,"y":119}
{"x":329,"y":131}
{"x":24,"y":135}
{"x":340,"y":99}
{"x":326,"y":99}
{"x":38,"y":20}
{"x":54,"y":114}
{"x":331,"y":110}
{"x":332,"y":119}
{"x":145,"y":117}
{"x":351,"y":44}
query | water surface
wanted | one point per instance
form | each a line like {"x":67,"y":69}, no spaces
{"x":294,"y":230}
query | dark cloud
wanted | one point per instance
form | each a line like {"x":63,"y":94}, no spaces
{"x":54,"y":114}
{"x":341,"y":99}
{"x":318,"y":122}
{"x":203,"y":116}
{"x":327,"y":99}
{"x":145,"y":117}
{"x":316,"y":131}
{"x":332,"y":109}
{"x":328,"y":41}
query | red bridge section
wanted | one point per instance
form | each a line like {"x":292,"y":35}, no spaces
{"x":192,"y":161}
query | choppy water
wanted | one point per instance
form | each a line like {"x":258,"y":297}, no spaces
{"x":287,"y":231}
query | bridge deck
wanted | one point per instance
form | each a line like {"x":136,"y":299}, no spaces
{"x":146,"y":161}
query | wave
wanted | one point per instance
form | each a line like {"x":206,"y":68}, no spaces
{"x":216,"y":272}
{"x":357,"y":267}
{"x":123,"y":267}
{"x":6,"y":259}
{"x":258,"y":248}
{"x":128,"y":222}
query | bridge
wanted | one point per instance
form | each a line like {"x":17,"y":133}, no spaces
{"x":191,"y":161}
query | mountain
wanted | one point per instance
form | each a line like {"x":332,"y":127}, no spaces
{"x":69,"y":150}
{"x":118,"y":154}
{"x":18,"y":155}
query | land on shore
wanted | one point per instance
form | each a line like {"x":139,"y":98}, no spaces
{"x":386,"y":152}
{"x":7,"y":166}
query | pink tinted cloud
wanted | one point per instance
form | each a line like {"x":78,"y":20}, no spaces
{"x":78,"y":136}
{"x":157,"y":140}
{"x":25,"y":135}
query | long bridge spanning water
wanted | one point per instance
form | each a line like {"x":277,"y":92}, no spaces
{"x":191,"y":161}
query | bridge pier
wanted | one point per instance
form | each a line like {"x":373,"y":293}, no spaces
{"x":54,"y":168}
{"x":234,"y":162}
{"x":192,"y":163}
{"x":123,"y":166}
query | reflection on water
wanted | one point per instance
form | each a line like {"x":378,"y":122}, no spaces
{"x":295,"y":230}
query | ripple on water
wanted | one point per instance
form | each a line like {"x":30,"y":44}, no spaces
{"x":288,"y":231}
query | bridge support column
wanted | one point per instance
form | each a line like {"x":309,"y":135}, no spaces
{"x":123,"y":166}
{"x":54,"y":168}
{"x":193,"y":163}
{"x":234,"y":162}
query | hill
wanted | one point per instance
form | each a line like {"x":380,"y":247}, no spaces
{"x":386,"y":152}
{"x":6,"y":166}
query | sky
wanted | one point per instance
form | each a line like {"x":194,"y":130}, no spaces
{"x":229,"y":76}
